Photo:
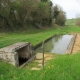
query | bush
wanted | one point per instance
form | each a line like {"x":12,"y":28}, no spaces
{"x":61,"y":18}
{"x":17,"y":14}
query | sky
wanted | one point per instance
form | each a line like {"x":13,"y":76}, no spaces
{"x":71,"y":7}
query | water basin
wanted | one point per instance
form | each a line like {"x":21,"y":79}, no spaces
{"x":57,"y":44}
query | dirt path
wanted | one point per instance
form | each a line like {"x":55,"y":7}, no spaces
{"x":47,"y":57}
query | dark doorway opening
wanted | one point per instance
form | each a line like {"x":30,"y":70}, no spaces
{"x":22,"y":61}
{"x":23,"y":55}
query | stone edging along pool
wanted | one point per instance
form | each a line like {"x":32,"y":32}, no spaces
{"x":71,"y":44}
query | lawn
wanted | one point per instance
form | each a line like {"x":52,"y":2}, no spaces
{"x":32,"y":37}
{"x":62,"y":67}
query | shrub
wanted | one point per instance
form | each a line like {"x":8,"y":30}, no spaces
{"x":61,"y":18}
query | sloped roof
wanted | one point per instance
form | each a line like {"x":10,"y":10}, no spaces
{"x":14,"y":47}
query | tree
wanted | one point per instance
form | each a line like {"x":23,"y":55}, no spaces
{"x":56,"y":10}
{"x":17,"y":14}
{"x":59,"y":15}
{"x":61,"y":18}
{"x":44,"y":0}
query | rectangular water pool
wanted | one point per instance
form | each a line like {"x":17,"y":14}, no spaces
{"x":57,"y":44}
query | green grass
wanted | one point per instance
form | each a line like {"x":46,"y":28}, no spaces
{"x":71,"y":22}
{"x":63,"y":67}
{"x":66,"y":67}
{"x":34,"y":38}
{"x":10,"y":38}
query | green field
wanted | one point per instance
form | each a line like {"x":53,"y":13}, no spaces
{"x":71,"y":22}
{"x":62,"y":67}
{"x":32,"y":37}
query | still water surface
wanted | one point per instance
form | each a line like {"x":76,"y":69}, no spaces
{"x":57,"y":44}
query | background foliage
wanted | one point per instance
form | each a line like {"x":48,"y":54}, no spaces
{"x":18,"y":14}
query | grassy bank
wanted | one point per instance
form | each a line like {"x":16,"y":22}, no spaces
{"x":32,"y":37}
{"x":63,"y":67}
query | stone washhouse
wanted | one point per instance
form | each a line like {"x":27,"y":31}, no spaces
{"x":17,"y":54}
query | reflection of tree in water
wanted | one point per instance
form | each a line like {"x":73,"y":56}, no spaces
{"x":49,"y":45}
{"x":58,"y":44}
{"x":38,"y":49}
{"x":57,"y":38}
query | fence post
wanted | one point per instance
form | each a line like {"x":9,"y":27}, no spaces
{"x":43,"y":54}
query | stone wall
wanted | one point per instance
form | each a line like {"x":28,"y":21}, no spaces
{"x":13,"y":53}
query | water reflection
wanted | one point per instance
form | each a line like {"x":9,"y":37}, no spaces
{"x":58,"y":44}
